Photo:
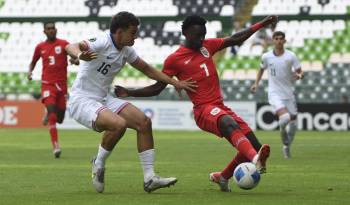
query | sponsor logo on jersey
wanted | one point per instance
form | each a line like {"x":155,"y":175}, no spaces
{"x":215,"y":111}
{"x":58,"y":49}
{"x":187,"y":61}
{"x":204,"y":52}
{"x":109,"y":57}
{"x":92,"y":39}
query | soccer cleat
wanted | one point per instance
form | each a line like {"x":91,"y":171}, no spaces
{"x":222,"y":182}
{"x":98,"y":175}
{"x":263,"y":154}
{"x":57,"y":153}
{"x":158,"y":182}
{"x":286,"y":152}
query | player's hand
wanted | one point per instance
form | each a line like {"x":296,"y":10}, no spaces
{"x":74,"y":61}
{"x":87,"y":55}
{"x":120,"y":91}
{"x":253,"y":88}
{"x":187,"y":84}
{"x":298,"y":76}
{"x":29,"y":76}
{"x":270,"y":20}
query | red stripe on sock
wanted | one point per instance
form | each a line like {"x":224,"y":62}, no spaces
{"x":242,"y":144}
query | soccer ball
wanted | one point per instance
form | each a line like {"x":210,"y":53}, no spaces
{"x":246,"y":175}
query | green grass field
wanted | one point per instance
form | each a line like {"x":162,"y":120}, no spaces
{"x":318,"y":173}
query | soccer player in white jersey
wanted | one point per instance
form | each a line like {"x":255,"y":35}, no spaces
{"x":284,"y":68}
{"x":92,"y":106}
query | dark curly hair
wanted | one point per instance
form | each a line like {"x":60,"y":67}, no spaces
{"x":123,"y":20}
{"x":192,"y":20}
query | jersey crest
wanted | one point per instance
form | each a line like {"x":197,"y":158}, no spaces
{"x":204,"y":52}
{"x":58,"y":49}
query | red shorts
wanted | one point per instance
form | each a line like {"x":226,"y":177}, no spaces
{"x":207,"y":116}
{"x":54,"y":94}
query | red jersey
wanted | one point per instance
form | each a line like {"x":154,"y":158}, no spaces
{"x":186,"y":63}
{"x":54,"y":58}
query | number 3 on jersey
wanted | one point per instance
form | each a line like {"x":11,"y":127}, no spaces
{"x":204,"y":66}
{"x":52,"y":60}
{"x":104,"y":68}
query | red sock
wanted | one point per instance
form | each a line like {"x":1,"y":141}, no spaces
{"x":242,"y":144}
{"x":53,"y":130}
{"x":228,"y":171}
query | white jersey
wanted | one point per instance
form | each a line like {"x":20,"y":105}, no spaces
{"x":95,"y":77}
{"x":280,"y":69}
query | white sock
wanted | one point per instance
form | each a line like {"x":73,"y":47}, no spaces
{"x":284,"y":136}
{"x":291,"y":130}
{"x":147,"y":161}
{"x":101,"y":157}
{"x":255,"y":159}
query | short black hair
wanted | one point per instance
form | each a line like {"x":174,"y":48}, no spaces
{"x":278,"y":33}
{"x":48,"y":22}
{"x":192,"y":20}
{"x":123,"y":20}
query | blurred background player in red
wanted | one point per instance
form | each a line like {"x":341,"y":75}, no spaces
{"x":193,"y":60}
{"x":53,"y":79}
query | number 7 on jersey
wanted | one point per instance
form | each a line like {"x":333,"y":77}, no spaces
{"x":204,"y":66}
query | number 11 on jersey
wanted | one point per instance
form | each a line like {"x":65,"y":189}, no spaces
{"x":204,"y":66}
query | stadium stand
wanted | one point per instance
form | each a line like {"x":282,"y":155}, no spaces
{"x":322,"y":44}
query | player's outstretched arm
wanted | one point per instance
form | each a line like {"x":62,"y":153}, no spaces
{"x":257,"y":80}
{"x":80,"y":51}
{"x":239,"y":37}
{"x":148,"y":91}
{"x":153,"y":73}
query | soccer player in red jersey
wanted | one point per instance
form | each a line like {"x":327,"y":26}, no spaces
{"x":193,"y":60}
{"x":53,"y":79}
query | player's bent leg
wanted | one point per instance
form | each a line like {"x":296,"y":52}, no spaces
{"x":138,"y":121}
{"x":114,"y":127}
{"x":232,"y":132}
{"x":142,"y":124}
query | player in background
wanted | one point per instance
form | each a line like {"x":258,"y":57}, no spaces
{"x":284,"y":68}
{"x":92,"y":106}
{"x":53,"y":79}
{"x":194,"y":60}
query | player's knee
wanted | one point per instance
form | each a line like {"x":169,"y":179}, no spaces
{"x":143,"y":123}
{"x":227,"y":125}
{"x":284,"y":119}
{"x":119,"y":125}
{"x":293,"y":117}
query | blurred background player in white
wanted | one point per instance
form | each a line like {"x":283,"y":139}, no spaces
{"x":91,"y":105}
{"x":53,"y":80}
{"x":284,"y":68}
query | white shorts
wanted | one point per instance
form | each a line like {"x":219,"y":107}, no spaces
{"x":86,"y":109}
{"x":278,"y":103}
